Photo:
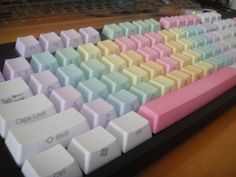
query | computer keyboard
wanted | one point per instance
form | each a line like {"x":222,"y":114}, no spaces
{"x":89,"y":103}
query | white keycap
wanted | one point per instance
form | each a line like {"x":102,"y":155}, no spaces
{"x":90,"y":35}
{"x":94,"y":148}
{"x":27,"y":46}
{"x":33,"y":138}
{"x":50,"y":42}
{"x":130,"y":130}
{"x":204,"y":17}
{"x":14,"y":90}
{"x":1,"y":77}
{"x":53,"y":162}
{"x":71,"y":38}
{"x":23,"y":112}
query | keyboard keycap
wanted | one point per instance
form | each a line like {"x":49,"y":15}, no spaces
{"x":71,"y":38}
{"x":194,"y":72}
{"x":135,"y":74}
{"x":132,"y":57}
{"x":46,"y":164}
{"x":154,"y":25}
{"x":129,"y":28}
{"x":33,"y":138}
{"x":206,"y":67}
{"x":155,"y":38}
{"x":89,"y":51}
{"x":125,"y":44}
{"x":163,"y":49}
{"x":108,"y":47}
{"x":67,"y":56}
{"x":142,"y":26}
{"x":128,"y":136}
{"x":50,"y":42}
{"x":16,"y":114}
{"x":114,"y":62}
{"x":1,"y":77}
{"x":182,"y":79}
{"x":112,"y":31}
{"x":183,"y":59}
{"x":148,"y":53}
{"x":89,"y":35}
{"x":153,"y":68}
{"x":141,"y":41}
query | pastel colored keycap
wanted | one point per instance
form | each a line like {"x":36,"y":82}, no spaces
{"x":70,"y":75}
{"x":209,"y":39}
{"x":101,"y":148}
{"x":43,"y":61}
{"x":195,"y":56}
{"x":148,"y":53}
{"x":141,"y":41}
{"x":188,"y":31}
{"x":27,"y":46}
{"x":180,"y":21}
{"x":1,"y":77}
{"x":127,"y":136}
{"x":223,"y":34}
{"x":112,"y":31}
{"x":155,"y":38}
{"x":129,"y":28}
{"x":163,"y":49}
{"x":46,"y":163}
{"x":67,"y":56}
{"x":66,"y":97}
{"x":167,"y":22}
{"x":183,"y":59}
{"x":17,"y":67}
{"x":98,"y":112}
{"x":71,"y":38}
{"x":108,"y":47}
{"x":228,"y":59}
{"x":153,"y":68}
{"x":209,"y":27}
{"x":217,"y":63}
{"x":114,"y":62}
{"x":161,"y":113}
{"x":205,"y":53}
{"x":164,"y":84}
{"x":93,"y":68}
{"x":194,"y":72}
{"x":204,"y":17}
{"x":174,"y":64}
{"x":221,"y":24}
{"x":89,"y":35}
{"x":178,"y":33}
{"x":43,"y":82}
{"x":135,"y":74}
{"x":182,"y":79}
{"x":169,"y":66}
{"x":10,"y":93}
{"x":167,"y":35}
{"x":199,"y":29}
{"x":145,"y":92}
{"x":215,"y":50}
{"x":125,"y":44}
{"x":50,"y":42}
{"x":206,"y":67}
{"x":142,"y":26}
{"x":123,"y":102}
{"x":199,"y":42}
{"x":115,"y":81}
{"x":92,"y":89}
{"x":89,"y":51}
{"x":154,"y":25}
{"x":231,"y":42}
{"x":187,"y":44}
{"x":131,"y":58}
{"x":223,"y":46}
{"x":232,"y":53}
{"x":176,"y":46}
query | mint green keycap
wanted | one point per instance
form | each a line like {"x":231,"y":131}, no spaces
{"x":66,"y":56}
{"x":145,"y":92}
{"x":123,"y":102}
{"x":228,"y":60}
{"x":92,"y":89}
{"x":112,"y":31}
{"x":198,"y":40}
{"x":198,"y":29}
{"x":129,"y":28}
{"x":215,"y":51}
{"x":115,"y":81}
{"x":154,"y":25}
{"x":208,"y":39}
{"x":93,"y":68}
{"x":70,"y":75}
{"x":188,"y":31}
{"x":204,"y":51}
{"x":44,"y":61}
{"x":218,"y":64}
{"x":142,"y":26}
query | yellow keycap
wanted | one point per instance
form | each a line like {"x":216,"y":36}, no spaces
{"x":176,"y":46}
{"x":135,"y":74}
{"x":186,"y":43}
{"x":165,"y":84}
{"x":195,"y":72}
{"x":132,"y":58}
{"x":177,"y":32}
{"x":206,"y":67}
{"x":168,"y":36}
{"x":183,"y":59}
{"x":195,"y":56}
{"x":153,"y":68}
{"x":89,"y":51}
{"x":108,"y":47}
{"x":114,"y":62}
{"x":182,"y":79}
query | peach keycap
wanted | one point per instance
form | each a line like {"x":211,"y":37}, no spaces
{"x":153,"y":68}
{"x":183,"y":59}
{"x":195,"y":72}
{"x":176,"y":46}
{"x":182,"y":79}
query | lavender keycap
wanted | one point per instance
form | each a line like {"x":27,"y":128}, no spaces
{"x":50,"y":42}
{"x":17,"y":67}
{"x":98,"y":112}
{"x":43,"y":82}
{"x":1,"y":77}
{"x":27,"y":46}
{"x":90,"y":35}
{"x":71,"y":38}
{"x":66,"y":97}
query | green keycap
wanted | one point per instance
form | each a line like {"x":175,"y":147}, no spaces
{"x":129,"y":28}
{"x":44,"y":61}
{"x":70,"y":75}
{"x":93,"y":68}
{"x":154,"y":25}
{"x":208,"y":39}
{"x":199,"y":41}
{"x":112,"y":31}
{"x":67,"y":56}
{"x":199,"y":29}
{"x":228,"y":60}
{"x":215,"y":51}
{"x":218,"y":64}
{"x":115,"y":81}
{"x":188,"y":31}
{"x":142,"y":26}
{"x":204,"y":51}
{"x":145,"y":92}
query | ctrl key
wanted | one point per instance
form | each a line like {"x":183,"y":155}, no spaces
{"x":55,"y":161}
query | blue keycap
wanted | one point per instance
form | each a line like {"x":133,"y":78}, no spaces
{"x":67,"y":56}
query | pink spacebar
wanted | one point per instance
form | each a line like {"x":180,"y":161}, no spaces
{"x":166,"y":110}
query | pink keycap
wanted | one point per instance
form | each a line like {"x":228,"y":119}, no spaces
{"x":163,"y":49}
{"x":141,"y":41}
{"x":125,"y":44}
{"x":98,"y":112}
{"x":155,"y":38}
{"x":17,"y":67}
{"x":183,"y":21}
{"x":167,"y":65}
{"x":175,"y":64}
{"x":43,"y":82}
{"x":209,"y":27}
{"x":167,"y":22}
{"x":1,"y":77}
{"x":196,"y":20}
{"x":190,"y":19}
{"x":166,"y":110}
{"x":66,"y":97}
{"x":149,"y":53}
